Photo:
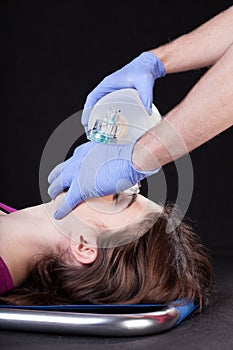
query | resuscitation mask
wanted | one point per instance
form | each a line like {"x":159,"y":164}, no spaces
{"x":120,"y":117}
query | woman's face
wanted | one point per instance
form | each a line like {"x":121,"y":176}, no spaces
{"x":113,"y":212}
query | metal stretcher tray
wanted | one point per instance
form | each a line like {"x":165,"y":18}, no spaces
{"x":95,"y":320}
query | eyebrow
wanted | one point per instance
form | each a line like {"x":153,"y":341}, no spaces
{"x":133,"y":199}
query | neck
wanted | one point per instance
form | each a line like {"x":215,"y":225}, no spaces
{"x":26,"y":235}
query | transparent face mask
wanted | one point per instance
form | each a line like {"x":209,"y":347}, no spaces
{"x":120,"y":117}
{"x":133,"y":189}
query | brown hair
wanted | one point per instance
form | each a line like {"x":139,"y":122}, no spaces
{"x":165,"y":264}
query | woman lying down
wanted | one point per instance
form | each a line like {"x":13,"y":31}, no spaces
{"x":120,"y":249}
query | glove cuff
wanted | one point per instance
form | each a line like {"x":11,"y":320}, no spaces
{"x":157,"y":66}
{"x":126,"y":152}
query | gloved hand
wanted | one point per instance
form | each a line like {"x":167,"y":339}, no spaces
{"x":139,"y":74}
{"x":94,"y":170}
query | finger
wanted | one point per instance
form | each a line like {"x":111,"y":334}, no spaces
{"x":70,"y":201}
{"x":85,"y":117}
{"x":55,"y":173}
{"x":100,"y":91}
{"x":91,"y":100}
{"x":63,"y":209}
{"x":56,"y":187}
{"x":89,"y":104}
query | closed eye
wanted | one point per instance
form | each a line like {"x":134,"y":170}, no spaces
{"x":133,"y":199}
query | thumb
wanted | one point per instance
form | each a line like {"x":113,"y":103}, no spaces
{"x":146,"y":95}
{"x":70,"y":201}
{"x":85,"y":117}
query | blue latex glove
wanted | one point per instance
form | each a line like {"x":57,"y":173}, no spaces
{"x":139,"y":74}
{"x":94,"y":170}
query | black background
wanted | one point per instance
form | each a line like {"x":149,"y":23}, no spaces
{"x":54,"y":53}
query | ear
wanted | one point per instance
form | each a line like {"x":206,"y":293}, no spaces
{"x":84,"y":254}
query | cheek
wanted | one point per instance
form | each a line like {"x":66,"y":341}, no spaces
{"x":126,"y":217}
{"x":115,"y":220}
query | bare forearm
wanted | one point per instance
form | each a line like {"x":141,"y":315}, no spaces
{"x":205,"y":112}
{"x":199,"y":48}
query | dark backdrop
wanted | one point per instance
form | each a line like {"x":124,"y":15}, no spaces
{"x":53,"y":53}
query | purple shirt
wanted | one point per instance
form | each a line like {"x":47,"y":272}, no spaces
{"x":6,"y":282}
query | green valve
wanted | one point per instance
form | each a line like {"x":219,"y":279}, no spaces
{"x":105,"y":130}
